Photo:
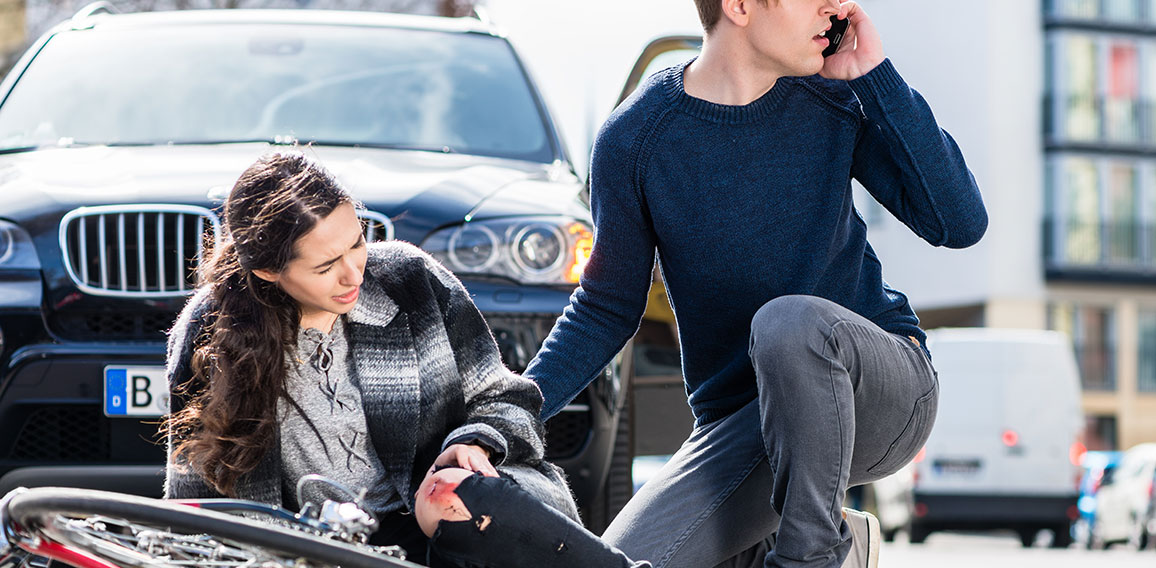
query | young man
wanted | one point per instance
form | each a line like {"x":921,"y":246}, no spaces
{"x":806,"y":372}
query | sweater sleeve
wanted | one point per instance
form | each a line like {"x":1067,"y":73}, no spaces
{"x":606,"y":308}
{"x":181,"y":482}
{"x":501,"y":407}
{"x":913,"y":167}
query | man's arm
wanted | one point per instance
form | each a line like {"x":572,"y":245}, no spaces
{"x":909,"y":164}
{"x":606,"y":309}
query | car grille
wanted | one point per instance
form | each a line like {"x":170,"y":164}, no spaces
{"x":151,"y":250}
{"x":113,"y":326}
{"x":63,"y":434}
{"x":568,"y":432}
{"x":136,"y":250}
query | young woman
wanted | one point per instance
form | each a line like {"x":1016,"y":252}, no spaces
{"x":305,"y":351}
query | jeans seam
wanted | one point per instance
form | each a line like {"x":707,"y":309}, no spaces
{"x":836,"y":502}
{"x":723,"y":496}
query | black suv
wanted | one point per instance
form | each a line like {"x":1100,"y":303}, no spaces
{"x":120,"y":135}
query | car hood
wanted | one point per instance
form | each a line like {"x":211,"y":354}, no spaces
{"x":420,"y":191}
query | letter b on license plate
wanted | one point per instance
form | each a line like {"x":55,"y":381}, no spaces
{"x":135,"y":391}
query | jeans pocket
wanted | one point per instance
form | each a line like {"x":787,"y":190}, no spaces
{"x":913,"y":436}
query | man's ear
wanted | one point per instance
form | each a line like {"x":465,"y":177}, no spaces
{"x":735,"y":11}
{"x":267,"y":275}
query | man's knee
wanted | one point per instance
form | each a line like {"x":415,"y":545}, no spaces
{"x":788,"y":324}
{"x":437,"y":500}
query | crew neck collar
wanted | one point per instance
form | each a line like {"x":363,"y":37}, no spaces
{"x":757,"y":109}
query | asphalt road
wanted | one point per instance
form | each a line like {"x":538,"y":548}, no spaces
{"x":957,"y":550}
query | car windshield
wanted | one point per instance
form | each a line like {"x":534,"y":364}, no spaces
{"x":364,"y":86}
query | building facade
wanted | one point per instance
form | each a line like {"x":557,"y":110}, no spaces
{"x":11,"y":25}
{"x":1052,"y":103}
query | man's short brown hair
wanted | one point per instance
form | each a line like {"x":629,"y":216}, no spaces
{"x":709,"y":11}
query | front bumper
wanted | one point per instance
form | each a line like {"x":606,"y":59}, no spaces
{"x":982,"y":512}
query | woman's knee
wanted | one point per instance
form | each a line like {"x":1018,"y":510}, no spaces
{"x":437,"y":500}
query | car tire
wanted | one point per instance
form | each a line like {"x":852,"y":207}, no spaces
{"x":619,"y":485}
{"x":1138,"y":538}
{"x":917,"y":534}
{"x":1062,"y":536}
{"x":1027,"y":537}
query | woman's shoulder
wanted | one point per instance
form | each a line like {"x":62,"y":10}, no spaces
{"x":198,"y":307}
{"x":400,"y":261}
{"x":385,"y":252}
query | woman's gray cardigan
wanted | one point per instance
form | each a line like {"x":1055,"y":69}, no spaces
{"x":430,"y":375}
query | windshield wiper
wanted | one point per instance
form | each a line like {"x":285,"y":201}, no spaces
{"x":383,"y":146}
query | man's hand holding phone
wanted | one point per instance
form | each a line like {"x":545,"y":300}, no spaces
{"x":860,"y":50}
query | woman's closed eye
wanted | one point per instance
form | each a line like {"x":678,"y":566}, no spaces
{"x":329,"y":266}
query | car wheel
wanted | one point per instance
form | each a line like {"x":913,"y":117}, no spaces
{"x":619,"y":485}
{"x":889,"y":535}
{"x":917,"y":534}
{"x":1027,"y":537}
{"x":1138,"y":536}
{"x":1062,"y":536}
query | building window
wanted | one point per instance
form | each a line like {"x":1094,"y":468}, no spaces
{"x":1078,"y":104}
{"x":1080,"y":230}
{"x":1123,"y":223}
{"x":1111,"y":11}
{"x":1092,"y":330}
{"x":1146,"y":363}
{"x":1100,"y":432}
{"x":1122,"y":100}
{"x":1076,"y":9}
{"x":1126,"y":11}
{"x":1101,"y":214}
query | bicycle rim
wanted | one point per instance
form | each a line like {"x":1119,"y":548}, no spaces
{"x":97,"y":527}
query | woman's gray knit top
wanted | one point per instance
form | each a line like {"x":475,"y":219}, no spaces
{"x":331,"y":437}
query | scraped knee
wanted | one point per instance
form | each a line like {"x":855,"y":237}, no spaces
{"x":437,"y":500}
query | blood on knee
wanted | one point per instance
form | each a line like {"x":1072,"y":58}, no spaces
{"x":436,"y":500}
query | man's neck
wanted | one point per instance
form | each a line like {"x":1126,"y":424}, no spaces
{"x":727,"y":73}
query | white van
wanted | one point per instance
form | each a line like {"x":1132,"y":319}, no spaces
{"x":1005,"y":449}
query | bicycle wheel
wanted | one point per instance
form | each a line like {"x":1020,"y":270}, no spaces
{"x":102,"y":529}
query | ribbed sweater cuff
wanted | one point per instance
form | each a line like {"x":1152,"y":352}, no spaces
{"x":879,"y":82}
{"x":480,"y":435}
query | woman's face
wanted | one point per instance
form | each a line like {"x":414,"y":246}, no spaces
{"x":327,"y":268}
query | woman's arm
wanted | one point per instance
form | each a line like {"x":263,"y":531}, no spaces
{"x":501,"y":407}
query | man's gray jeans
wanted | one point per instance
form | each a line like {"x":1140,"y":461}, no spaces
{"x":841,"y":402}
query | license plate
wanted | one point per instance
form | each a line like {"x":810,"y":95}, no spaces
{"x":135,"y":391}
{"x":956,"y":466}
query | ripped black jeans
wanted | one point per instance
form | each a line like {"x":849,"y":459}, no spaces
{"x":509,"y":528}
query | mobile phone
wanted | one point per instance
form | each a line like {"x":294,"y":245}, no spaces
{"x":835,"y":35}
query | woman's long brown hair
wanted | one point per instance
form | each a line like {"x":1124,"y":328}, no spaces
{"x":230,"y":419}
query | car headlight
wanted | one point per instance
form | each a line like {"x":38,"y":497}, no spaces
{"x":530,"y":250}
{"x":16,"y":250}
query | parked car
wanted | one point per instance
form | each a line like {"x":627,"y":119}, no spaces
{"x":1149,"y":521}
{"x":894,"y":500}
{"x":1094,"y":466}
{"x":1005,"y":450}
{"x":120,"y":135}
{"x":1124,"y":501}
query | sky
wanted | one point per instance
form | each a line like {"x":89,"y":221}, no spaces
{"x":580,"y":52}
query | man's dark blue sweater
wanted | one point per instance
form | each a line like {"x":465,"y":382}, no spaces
{"x":745,"y":204}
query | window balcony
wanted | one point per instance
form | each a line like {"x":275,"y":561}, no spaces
{"x":1126,"y":16}
{"x":1123,"y":252}
{"x":1110,"y":125}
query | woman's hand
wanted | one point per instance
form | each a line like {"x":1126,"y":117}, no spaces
{"x":861,"y":49}
{"x":466,"y":456}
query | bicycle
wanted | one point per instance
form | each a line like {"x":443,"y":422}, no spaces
{"x":100,"y":529}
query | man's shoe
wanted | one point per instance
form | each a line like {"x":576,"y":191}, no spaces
{"x":865,"y":543}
